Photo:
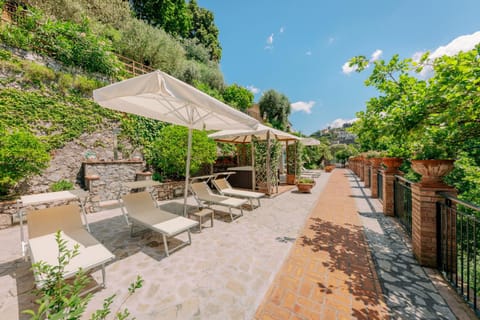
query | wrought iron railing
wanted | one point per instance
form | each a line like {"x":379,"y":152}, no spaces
{"x":402,"y":191}
{"x":458,"y":244}
{"x":380,"y":185}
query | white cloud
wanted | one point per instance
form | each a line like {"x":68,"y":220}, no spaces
{"x":282,"y":29}
{"x":417,"y":56}
{"x":308,"y":53}
{"x":338,"y":123}
{"x":331,"y":40}
{"x":347,"y":69}
{"x":270,"y":39}
{"x":253,"y":89}
{"x":303,"y":106}
{"x":461,"y":43}
{"x":376,"y":55}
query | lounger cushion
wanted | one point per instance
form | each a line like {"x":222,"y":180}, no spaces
{"x":42,"y":228}
{"x":243,"y":193}
{"x":141,"y":210}
{"x":91,"y":252}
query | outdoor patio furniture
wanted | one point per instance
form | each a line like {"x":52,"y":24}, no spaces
{"x":201,"y":214}
{"x":222,"y":185}
{"x":310,"y":173}
{"x":203,"y":194}
{"x":49,"y":197}
{"x":141,"y":209}
{"x":43,"y":225}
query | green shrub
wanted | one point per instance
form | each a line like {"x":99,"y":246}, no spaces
{"x":37,"y":73}
{"x":168,"y":153}
{"x":85,"y":85}
{"x":65,"y":82}
{"x":61,"y":186}
{"x":5,"y":55}
{"x":150,"y":46}
{"x":21,"y":155}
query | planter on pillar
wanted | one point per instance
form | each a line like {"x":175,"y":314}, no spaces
{"x":375,"y":166}
{"x":392,"y":168}
{"x":424,"y":209}
{"x":432,"y":171}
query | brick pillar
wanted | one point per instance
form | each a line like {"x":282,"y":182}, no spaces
{"x":424,"y":223}
{"x":392,"y":165}
{"x":376,"y":162}
{"x":361,"y":171}
{"x":366,"y":172}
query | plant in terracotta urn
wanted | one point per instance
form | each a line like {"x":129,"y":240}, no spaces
{"x":305,"y":185}
{"x":432,"y":161}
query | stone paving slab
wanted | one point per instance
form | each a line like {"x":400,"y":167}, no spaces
{"x":408,"y":290}
{"x":224,"y":274}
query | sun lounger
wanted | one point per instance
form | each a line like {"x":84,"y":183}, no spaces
{"x":203,"y":194}
{"x":141,"y":210}
{"x":42,"y":245}
{"x":310,"y":173}
{"x":226,"y":189}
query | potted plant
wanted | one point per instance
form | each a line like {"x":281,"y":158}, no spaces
{"x":305,"y":185}
{"x":433,"y":160}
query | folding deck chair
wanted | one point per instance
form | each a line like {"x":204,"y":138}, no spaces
{"x":203,"y":194}
{"x":310,"y":173}
{"x":42,"y":245}
{"x":140,"y":209}
{"x":222,"y":185}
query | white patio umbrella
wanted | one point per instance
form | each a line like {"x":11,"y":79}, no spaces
{"x":309,"y":141}
{"x":159,"y":96}
{"x":245,"y":136}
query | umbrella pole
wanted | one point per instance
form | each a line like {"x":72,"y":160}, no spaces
{"x":187,"y":172}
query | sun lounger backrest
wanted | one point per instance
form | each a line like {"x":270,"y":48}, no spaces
{"x":138,"y":202}
{"x":50,"y":220}
{"x":222,"y":184}
{"x":201,"y":190}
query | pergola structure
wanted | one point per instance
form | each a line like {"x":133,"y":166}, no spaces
{"x":262,"y":133}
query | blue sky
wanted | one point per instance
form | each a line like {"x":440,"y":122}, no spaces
{"x":298,"y":47}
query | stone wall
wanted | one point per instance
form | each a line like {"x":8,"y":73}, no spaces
{"x":104,"y":179}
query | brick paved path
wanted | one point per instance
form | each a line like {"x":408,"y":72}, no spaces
{"x":329,"y":274}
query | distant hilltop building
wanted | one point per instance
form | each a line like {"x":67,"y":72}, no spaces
{"x":337,"y":135}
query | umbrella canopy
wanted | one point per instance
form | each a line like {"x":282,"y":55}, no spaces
{"x":245,"y":136}
{"x":309,"y":141}
{"x":159,"y":96}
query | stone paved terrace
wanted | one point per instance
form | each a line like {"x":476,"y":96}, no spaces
{"x":362,"y":266}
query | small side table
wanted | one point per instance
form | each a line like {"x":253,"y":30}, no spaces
{"x":200,"y":215}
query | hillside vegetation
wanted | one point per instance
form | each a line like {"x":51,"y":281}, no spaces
{"x":45,"y":105}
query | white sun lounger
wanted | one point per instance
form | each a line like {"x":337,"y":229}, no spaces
{"x":142,"y":210}
{"x":203,"y":194}
{"x":226,"y":189}
{"x":42,"y":245}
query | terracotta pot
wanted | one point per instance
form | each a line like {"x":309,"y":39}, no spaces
{"x":432,"y":171}
{"x":376,"y":162}
{"x":392,"y":163}
{"x":305,"y":187}
{"x":290,"y":179}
